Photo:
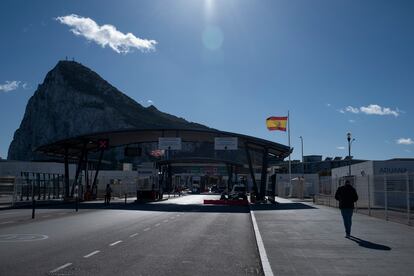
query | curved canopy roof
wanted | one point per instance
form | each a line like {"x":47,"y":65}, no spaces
{"x":75,"y":145}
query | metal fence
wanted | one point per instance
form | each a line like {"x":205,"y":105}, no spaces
{"x":46,"y":186}
{"x":388,"y":196}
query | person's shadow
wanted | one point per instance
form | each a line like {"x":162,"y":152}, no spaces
{"x":368,"y":244}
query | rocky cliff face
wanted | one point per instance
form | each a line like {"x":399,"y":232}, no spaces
{"x":74,"y":100}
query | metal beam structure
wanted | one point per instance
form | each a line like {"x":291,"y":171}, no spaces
{"x":264,"y":174}
{"x":79,"y":167}
{"x":249,"y":161}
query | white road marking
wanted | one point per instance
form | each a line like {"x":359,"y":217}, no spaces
{"x":178,"y":215}
{"x":146,"y":229}
{"x":172,"y":217}
{"x":133,"y":235}
{"x":262,"y":251}
{"x":115,"y":243}
{"x":7,"y":222}
{"x":60,"y":267}
{"x":91,"y":254}
{"x":46,"y":216}
{"x":158,"y":224}
{"x":9,"y":213}
{"x":165,"y":220}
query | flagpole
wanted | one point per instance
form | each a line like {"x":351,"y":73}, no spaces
{"x":290,"y":167}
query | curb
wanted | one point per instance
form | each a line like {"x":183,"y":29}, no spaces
{"x":262,"y":251}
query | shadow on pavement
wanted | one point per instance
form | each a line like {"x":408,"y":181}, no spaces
{"x":281,"y":206}
{"x":368,"y":244}
{"x":155,"y":207}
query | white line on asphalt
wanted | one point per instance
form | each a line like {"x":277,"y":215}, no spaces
{"x":133,"y":235}
{"x":115,"y":243}
{"x":172,"y":217}
{"x":9,"y":213}
{"x":158,"y":224}
{"x":146,"y":229}
{"x":166,"y":220}
{"x":262,"y":251}
{"x":178,"y":215}
{"x":91,"y":254}
{"x":60,"y":267}
{"x":46,"y":216}
{"x":7,"y":222}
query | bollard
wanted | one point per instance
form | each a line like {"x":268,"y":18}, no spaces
{"x":76,"y":197}
{"x":33,"y":208}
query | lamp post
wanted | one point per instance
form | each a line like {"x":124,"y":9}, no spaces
{"x":350,"y":140}
{"x":303,"y":165}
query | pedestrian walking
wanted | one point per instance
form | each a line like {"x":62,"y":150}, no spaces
{"x":347,"y":196}
{"x":108,"y":192}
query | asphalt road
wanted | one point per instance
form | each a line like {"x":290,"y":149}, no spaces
{"x":179,"y":236}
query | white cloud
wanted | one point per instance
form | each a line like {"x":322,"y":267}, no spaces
{"x":352,"y":109}
{"x":405,"y":141}
{"x":150,"y":102}
{"x":340,"y":148}
{"x":25,"y":85}
{"x":351,"y":121}
{"x":106,"y":35}
{"x":374,"y":109}
{"x":9,"y":86}
{"x":328,"y":105}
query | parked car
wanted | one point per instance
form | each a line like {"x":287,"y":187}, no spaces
{"x":238,"y":192}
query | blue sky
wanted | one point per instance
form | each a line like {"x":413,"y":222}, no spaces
{"x":337,"y":66}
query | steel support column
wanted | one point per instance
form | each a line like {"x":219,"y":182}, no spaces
{"x":249,"y":160}
{"x":264,"y":173}
{"x":230,"y":179}
{"x":98,"y":167}
{"x":79,"y":168}
{"x":66,"y":160}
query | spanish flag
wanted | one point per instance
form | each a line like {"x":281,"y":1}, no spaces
{"x":276,"y":123}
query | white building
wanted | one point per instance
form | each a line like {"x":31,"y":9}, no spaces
{"x":380,"y":183}
{"x":392,"y":166}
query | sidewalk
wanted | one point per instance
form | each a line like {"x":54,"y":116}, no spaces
{"x":306,"y":239}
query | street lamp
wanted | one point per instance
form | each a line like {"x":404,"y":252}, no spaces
{"x":303,"y":165}
{"x":350,"y":140}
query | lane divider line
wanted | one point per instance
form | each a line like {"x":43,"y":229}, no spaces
{"x":91,"y":254}
{"x":115,"y":243}
{"x":166,"y":220}
{"x":267,"y":269}
{"x":133,"y":235}
{"x":158,"y":224}
{"x":7,"y":222}
{"x":60,"y":268}
{"x":147,"y":229}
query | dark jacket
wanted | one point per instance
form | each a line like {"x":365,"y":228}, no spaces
{"x":346,"y":195}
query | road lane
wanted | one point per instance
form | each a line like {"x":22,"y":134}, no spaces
{"x":197,"y":242}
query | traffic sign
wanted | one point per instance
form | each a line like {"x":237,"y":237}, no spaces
{"x":169,"y":143}
{"x":225,"y":143}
